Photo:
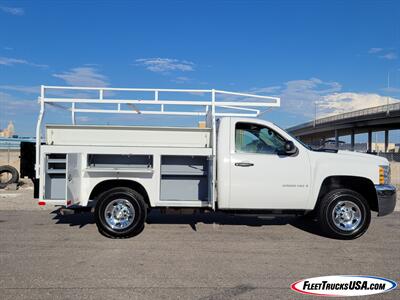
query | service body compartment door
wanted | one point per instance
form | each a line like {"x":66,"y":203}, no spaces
{"x":74,"y":178}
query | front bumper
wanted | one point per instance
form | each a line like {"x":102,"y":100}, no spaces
{"x":386,"y":194}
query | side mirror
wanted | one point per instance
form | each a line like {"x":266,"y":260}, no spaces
{"x":290,"y":148}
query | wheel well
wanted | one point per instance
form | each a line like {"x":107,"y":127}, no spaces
{"x":361,"y":185}
{"x":112,"y":183}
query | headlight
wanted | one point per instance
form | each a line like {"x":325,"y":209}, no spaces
{"x":384,"y":174}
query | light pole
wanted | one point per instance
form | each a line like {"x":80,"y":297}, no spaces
{"x":387,"y":98}
{"x":315,"y":113}
{"x":388,"y":88}
{"x":316,"y":102}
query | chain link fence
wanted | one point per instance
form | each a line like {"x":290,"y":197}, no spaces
{"x":390,"y":156}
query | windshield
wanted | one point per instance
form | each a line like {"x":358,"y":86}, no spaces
{"x":320,"y":149}
{"x":296,"y":139}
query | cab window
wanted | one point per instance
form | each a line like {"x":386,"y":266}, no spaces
{"x":255,"y":138}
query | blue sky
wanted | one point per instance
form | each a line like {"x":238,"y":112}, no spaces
{"x":337,"y":53}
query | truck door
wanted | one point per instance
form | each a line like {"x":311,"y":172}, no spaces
{"x":260,"y":177}
{"x":73,"y":178}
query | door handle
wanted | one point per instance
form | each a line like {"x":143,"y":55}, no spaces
{"x":244,"y":164}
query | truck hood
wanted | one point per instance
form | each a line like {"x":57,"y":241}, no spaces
{"x":363,"y":156}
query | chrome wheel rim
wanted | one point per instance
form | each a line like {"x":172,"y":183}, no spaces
{"x":119,"y":214}
{"x":346,"y":215}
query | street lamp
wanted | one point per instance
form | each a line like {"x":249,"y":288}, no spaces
{"x":387,"y":98}
{"x":315,"y":111}
{"x":388,"y":90}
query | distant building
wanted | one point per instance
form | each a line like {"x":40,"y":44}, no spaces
{"x":376,"y":147}
{"x":380,"y":147}
{"x":358,"y":147}
{"x":9,"y":131}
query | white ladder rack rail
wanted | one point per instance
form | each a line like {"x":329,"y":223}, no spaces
{"x":245,"y":108}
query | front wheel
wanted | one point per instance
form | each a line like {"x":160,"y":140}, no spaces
{"x":120,"y":213}
{"x":344,"y":214}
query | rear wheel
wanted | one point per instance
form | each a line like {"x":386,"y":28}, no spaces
{"x":120,"y":213}
{"x":344,"y":214}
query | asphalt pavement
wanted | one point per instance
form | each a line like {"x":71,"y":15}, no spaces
{"x":47,"y":256}
{"x":214,"y":256}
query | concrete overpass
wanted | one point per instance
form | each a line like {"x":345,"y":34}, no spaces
{"x":369,"y":120}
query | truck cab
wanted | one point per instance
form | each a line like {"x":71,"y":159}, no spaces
{"x":262,"y":167}
{"x":252,"y":154}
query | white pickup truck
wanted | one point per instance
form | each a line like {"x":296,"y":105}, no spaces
{"x":236,"y":164}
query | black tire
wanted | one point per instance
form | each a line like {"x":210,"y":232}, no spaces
{"x":357,"y":205}
{"x":136,"y":201}
{"x":14,"y":175}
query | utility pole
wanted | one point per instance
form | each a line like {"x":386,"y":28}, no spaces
{"x":315,"y":113}
{"x":387,"y":98}
{"x":316,"y":102}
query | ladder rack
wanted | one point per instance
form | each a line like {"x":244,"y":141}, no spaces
{"x":213,"y":102}
{"x":217,"y":103}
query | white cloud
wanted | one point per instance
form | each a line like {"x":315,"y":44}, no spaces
{"x":299,"y":97}
{"x":391,"y":90}
{"x":11,"y":61}
{"x":181,"y":79}
{"x":83,"y":76}
{"x":8,"y":61}
{"x":13,"y":107}
{"x":16,"y":11}
{"x":375,"y":50}
{"x":165,"y":65}
{"x":21,"y":88}
{"x":389,"y":56}
{"x":345,"y":102}
{"x":269,"y":90}
{"x":385,"y":53}
{"x":22,"y":109}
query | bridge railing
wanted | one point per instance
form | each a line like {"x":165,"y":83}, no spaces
{"x":360,"y":113}
{"x":390,"y":156}
{"x":357,"y":113}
